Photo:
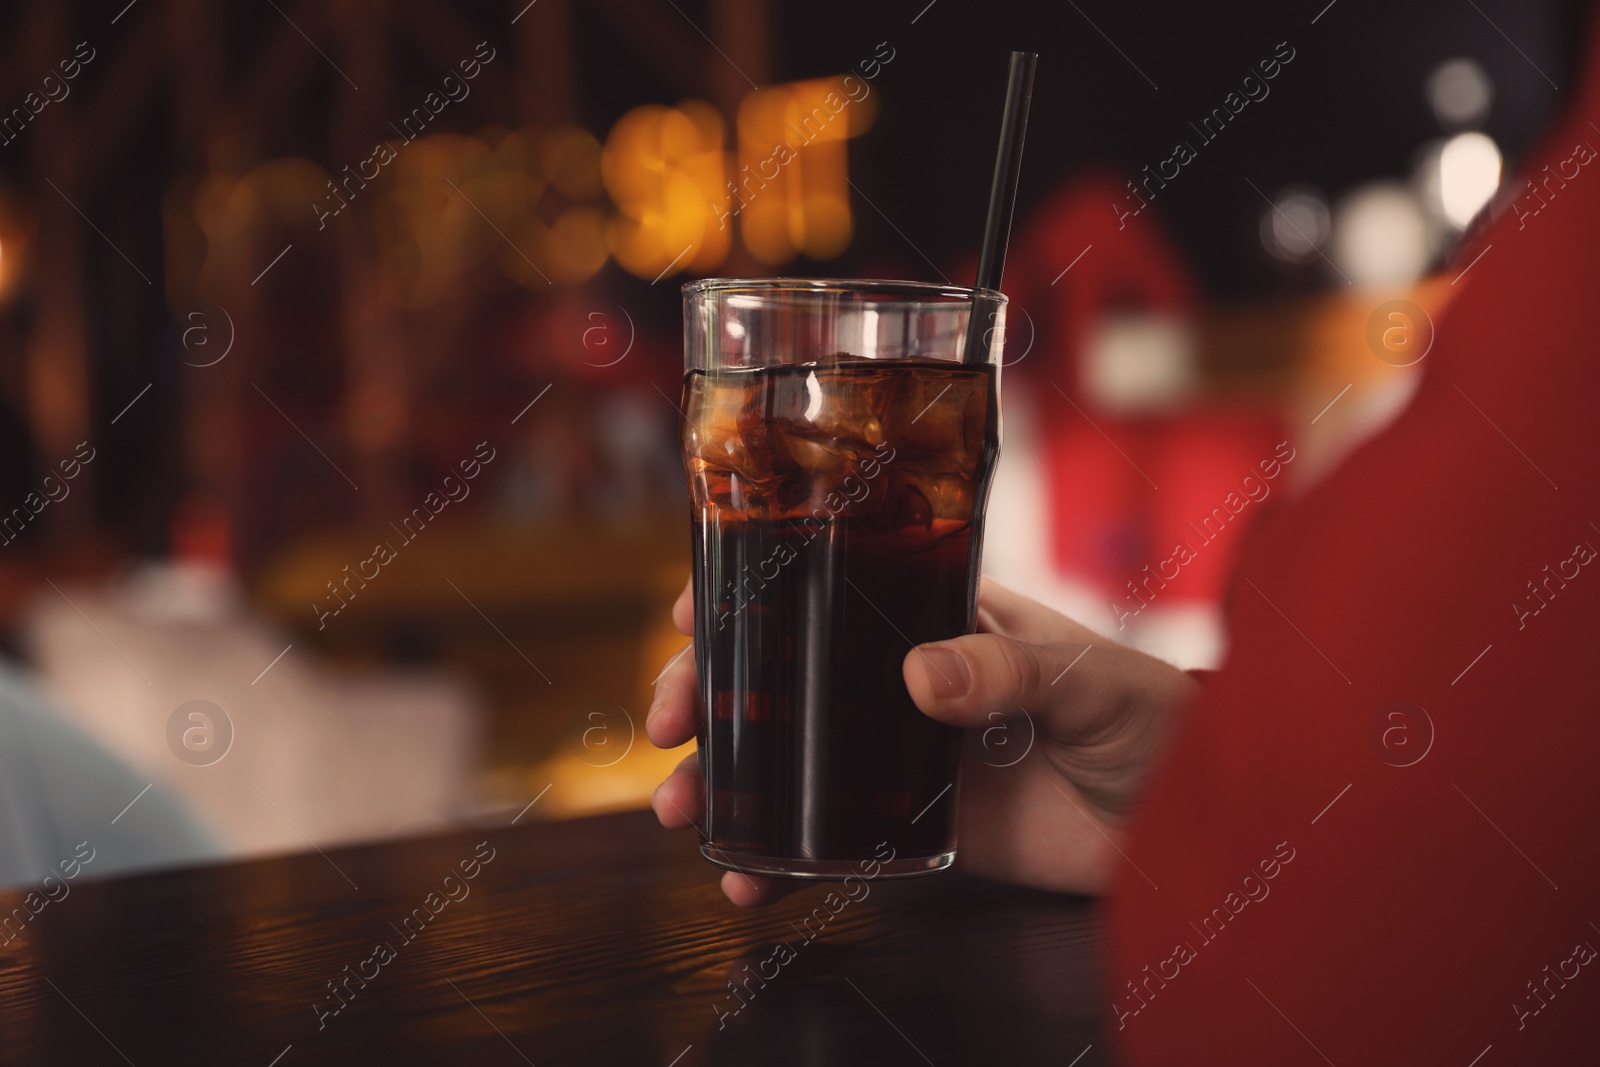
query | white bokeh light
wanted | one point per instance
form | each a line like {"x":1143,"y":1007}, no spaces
{"x":1380,"y":236}
{"x":1460,"y":92}
{"x":1469,"y":173}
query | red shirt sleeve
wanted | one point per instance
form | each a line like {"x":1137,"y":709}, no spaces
{"x":1376,"y":839}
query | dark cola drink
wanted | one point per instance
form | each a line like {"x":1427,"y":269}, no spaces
{"x":837,"y":518}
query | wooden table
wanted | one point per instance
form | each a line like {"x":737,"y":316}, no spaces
{"x":595,"y":941}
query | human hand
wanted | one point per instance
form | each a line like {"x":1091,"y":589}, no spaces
{"x":1093,"y":715}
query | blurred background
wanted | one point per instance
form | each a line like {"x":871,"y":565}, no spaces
{"x":340,"y":343}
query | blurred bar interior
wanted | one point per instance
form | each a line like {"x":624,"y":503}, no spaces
{"x":341,"y":351}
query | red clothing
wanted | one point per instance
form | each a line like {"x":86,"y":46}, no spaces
{"x":1317,"y":902}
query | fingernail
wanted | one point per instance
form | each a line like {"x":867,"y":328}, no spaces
{"x":948,"y":671}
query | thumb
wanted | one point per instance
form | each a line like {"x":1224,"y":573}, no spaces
{"x":969,"y":680}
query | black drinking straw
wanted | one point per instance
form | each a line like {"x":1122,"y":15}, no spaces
{"x":1002,"y":197}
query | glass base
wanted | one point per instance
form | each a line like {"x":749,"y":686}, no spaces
{"x":825,"y":870}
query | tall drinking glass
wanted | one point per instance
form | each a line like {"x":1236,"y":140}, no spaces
{"x":839,"y":439}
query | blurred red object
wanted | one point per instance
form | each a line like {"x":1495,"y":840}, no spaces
{"x":1126,"y":489}
{"x":202,"y":532}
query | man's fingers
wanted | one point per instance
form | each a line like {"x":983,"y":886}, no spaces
{"x":1006,"y":611}
{"x":963,"y":682}
{"x":683,"y":610}
{"x":671,"y":718}
{"x":753,"y":891}
{"x":681,"y":800}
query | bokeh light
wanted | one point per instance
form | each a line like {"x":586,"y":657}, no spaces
{"x":663,"y":168}
{"x":1381,"y":236}
{"x":1460,"y":93}
{"x":792,"y":182}
{"x":1296,"y":224}
{"x":1469,"y":173}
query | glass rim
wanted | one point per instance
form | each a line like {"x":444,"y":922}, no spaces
{"x":882,"y":287}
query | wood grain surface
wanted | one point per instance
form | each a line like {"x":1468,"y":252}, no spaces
{"x":595,"y":941}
